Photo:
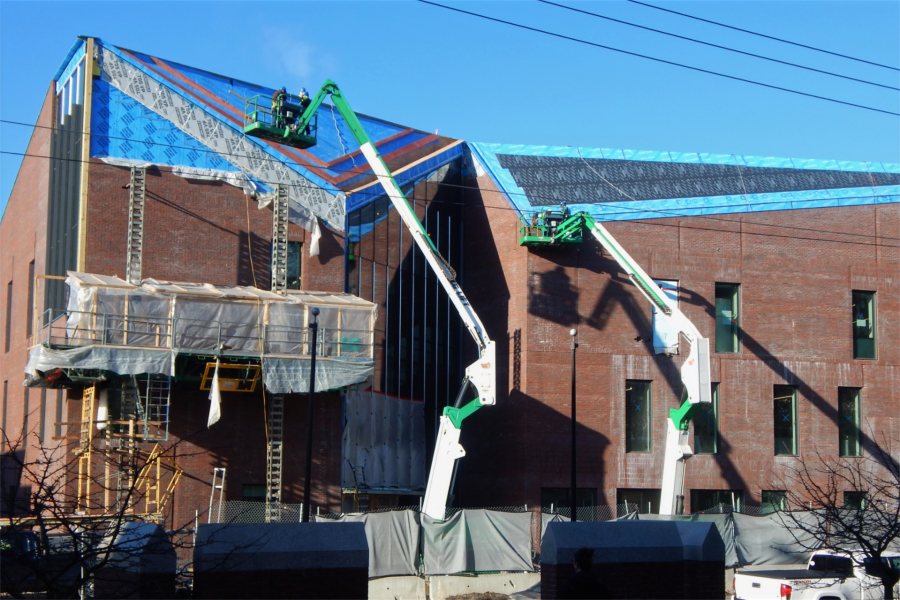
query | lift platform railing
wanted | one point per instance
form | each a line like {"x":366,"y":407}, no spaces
{"x":276,"y":121}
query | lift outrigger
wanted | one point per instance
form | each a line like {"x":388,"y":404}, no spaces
{"x":291,"y":120}
{"x":559,"y":228}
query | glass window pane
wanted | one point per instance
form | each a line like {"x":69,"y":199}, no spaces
{"x":706,"y":424}
{"x":727,"y":318}
{"x":773,"y":500}
{"x":855,"y":500}
{"x":848,"y":421}
{"x":293,"y":265}
{"x":785,"y":418}
{"x":863,"y":324}
{"x":637,"y":416}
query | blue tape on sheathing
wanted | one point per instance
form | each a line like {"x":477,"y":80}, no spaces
{"x":616,"y":185}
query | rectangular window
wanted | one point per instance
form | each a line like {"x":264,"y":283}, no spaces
{"x":5,"y":407}
{"x":863,"y":324}
{"x":706,"y":424}
{"x":644,"y":501}
{"x":773,"y":500}
{"x":716,"y":501}
{"x":57,"y":427}
{"x":637,"y":416}
{"x":557,"y":500}
{"x":43,"y":415}
{"x":848,"y":421}
{"x":25,"y":415}
{"x":30,"y":307}
{"x":293,"y":265}
{"x":253,"y":492}
{"x":785,"y":420}
{"x":9,"y":298}
{"x":727,"y":321}
{"x":855,"y":500}
{"x":665,"y":337}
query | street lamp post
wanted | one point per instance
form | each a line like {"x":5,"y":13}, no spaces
{"x":310,"y":413}
{"x":573,"y":333}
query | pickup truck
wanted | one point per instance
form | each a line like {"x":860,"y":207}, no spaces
{"x":828,"y":576}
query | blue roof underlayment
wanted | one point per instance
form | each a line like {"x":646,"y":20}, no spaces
{"x":125,"y":129}
{"x":621,"y":185}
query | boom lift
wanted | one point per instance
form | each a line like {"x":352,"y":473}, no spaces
{"x":291,"y":120}
{"x":551,"y":228}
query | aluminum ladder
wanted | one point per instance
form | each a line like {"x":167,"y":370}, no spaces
{"x":135,"y":248}
{"x":216,"y":492}
{"x":280,"y":240}
{"x":274,"y":457}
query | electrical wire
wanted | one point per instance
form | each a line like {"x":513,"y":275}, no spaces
{"x":663,"y":213}
{"x":720,"y":47}
{"x":763,"y":35}
{"x":657,"y":59}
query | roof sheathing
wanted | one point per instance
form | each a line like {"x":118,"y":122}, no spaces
{"x":618,"y":185}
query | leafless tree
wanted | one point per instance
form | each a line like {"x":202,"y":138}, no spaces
{"x":854,"y":508}
{"x":72,"y":528}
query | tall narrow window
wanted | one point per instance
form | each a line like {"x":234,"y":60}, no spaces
{"x":727,"y":321}
{"x":637,"y":416}
{"x":9,"y":297}
{"x":30,"y":307}
{"x":785,"y":420}
{"x":773,"y":500}
{"x":848,"y":421}
{"x":293,"y":265}
{"x":706,"y":424}
{"x":5,"y":407}
{"x":863,"y":324}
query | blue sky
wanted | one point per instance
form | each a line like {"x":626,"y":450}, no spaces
{"x":434,"y":69}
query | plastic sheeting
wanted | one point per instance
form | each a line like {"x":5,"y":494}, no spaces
{"x":477,"y":540}
{"x":291,"y":375}
{"x":724,"y":524}
{"x":765,"y":540}
{"x":393,"y":539}
{"x":383,"y":443}
{"x":128,"y":329}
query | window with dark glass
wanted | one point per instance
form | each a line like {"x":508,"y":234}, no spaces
{"x":9,"y":297}
{"x":30,"y":308}
{"x":644,"y":501}
{"x":785,"y":420}
{"x":293,"y":265}
{"x":706,"y":424}
{"x":557,"y":500}
{"x":863,"y":324}
{"x":855,"y":500}
{"x":637,"y":416}
{"x":716,"y":500}
{"x":727,"y":317}
{"x":255,"y":492}
{"x":848,"y":421}
{"x":773,"y":500}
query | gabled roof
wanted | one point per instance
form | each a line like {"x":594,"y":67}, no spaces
{"x":627,"y":184}
{"x":146,"y":109}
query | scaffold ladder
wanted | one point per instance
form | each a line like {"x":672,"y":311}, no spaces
{"x":156,"y":409}
{"x":135,"y":225}
{"x":280,"y":240}
{"x":216,"y":492}
{"x":85,"y":447}
{"x":274,"y":457}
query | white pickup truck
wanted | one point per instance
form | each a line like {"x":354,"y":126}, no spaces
{"x":828,"y":576}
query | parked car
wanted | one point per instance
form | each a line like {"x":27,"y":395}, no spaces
{"x":828,"y":576}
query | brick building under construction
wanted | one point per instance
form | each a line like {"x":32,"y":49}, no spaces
{"x":148,"y":239}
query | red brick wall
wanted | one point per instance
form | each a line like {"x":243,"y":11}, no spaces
{"x":796,"y":270}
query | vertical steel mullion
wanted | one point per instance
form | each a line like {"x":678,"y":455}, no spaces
{"x":425,"y":281}
{"x":399,"y":359}
{"x":412,"y":317}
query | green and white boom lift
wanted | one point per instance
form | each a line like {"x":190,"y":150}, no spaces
{"x":291,"y":121}
{"x":559,"y":228}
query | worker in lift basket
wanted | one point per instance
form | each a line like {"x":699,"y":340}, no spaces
{"x":303,"y":96}
{"x":278,"y":98}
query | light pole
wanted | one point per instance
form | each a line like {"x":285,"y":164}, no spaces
{"x":314,"y":327}
{"x":574,"y":334}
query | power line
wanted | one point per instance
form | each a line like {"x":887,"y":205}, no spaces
{"x":624,"y":210}
{"x":659,"y":60}
{"x":763,"y":35}
{"x":720,"y":47}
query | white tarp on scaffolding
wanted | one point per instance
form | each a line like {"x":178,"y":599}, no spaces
{"x":115,"y":326}
{"x":383,"y":444}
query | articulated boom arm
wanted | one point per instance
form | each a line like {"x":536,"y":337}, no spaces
{"x":694,"y":371}
{"x":481,"y":374}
